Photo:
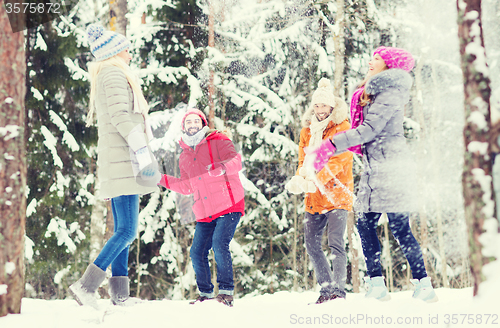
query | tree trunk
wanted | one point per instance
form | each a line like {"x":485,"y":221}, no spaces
{"x":117,"y":19}
{"x":388,"y":256}
{"x":294,"y":246}
{"x":354,"y":252}
{"x":338,"y":38}
{"x":476,"y":178}
{"x":305,"y":267}
{"x":211,"y":86}
{"x":97,"y":227}
{"x":339,"y":45}
{"x":12,"y":166}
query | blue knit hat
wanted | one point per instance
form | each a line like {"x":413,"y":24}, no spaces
{"x":105,"y":44}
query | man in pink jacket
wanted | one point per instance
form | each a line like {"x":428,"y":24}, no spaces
{"x":209,"y":168}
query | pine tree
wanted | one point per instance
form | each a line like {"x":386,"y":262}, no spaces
{"x":58,"y":146}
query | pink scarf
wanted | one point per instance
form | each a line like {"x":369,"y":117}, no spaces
{"x":356,"y":116}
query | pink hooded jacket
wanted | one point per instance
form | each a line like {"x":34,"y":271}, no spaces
{"x":213,"y":195}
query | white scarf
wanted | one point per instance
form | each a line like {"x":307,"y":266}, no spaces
{"x":195,"y":139}
{"x":317,"y":129}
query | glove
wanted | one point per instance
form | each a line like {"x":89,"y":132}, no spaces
{"x":308,"y":186}
{"x":307,"y":169}
{"x":216,"y":170}
{"x":322,"y":154}
{"x":143,"y":157}
{"x":148,"y":173}
{"x":293,"y":185}
{"x":298,"y":185}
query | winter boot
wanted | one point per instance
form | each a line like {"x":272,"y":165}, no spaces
{"x":119,"y":291}
{"x":377,"y":289}
{"x":424,"y":290}
{"x":225,"y":299}
{"x":323,"y":298}
{"x":83,"y":290}
{"x":201,"y":298}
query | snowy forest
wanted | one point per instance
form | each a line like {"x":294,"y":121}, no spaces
{"x":254,"y":64}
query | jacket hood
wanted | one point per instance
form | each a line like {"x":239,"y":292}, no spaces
{"x":339,"y":114}
{"x":391,"y":78}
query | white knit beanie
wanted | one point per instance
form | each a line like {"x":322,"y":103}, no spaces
{"x":105,"y":44}
{"x":324,"y":94}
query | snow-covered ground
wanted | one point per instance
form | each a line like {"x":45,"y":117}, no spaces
{"x":455,"y":308}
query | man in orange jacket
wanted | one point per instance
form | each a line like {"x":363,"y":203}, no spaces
{"x":329,"y":192}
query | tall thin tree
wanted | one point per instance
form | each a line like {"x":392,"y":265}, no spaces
{"x":476,"y":179}
{"x":338,"y":34}
{"x":12,"y":166}
{"x":211,"y":85}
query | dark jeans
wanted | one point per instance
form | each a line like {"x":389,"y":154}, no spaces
{"x":217,"y":235}
{"x":332,"y":282}
{"x":115,"y":252}
{"x":400,"y":227}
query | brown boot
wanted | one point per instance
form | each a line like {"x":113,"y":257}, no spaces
{"x":225,"y":299}
{"x":323,"y":298}
{"x":201,"y":299}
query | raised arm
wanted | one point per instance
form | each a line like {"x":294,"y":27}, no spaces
{"x":379,"y":113}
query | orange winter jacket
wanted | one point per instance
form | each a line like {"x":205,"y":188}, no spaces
{"x":336,"y":176}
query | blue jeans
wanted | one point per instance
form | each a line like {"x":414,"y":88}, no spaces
{"x":400,"y":227}
{"x":332,"y":282}
{"x":217,"y":235}
{"x":126,"y":219}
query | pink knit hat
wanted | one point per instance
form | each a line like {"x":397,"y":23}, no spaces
{"x":396,"y":58}
{"x":197,"y":112}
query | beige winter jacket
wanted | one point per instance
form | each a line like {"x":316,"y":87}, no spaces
{"x":120,"y":131}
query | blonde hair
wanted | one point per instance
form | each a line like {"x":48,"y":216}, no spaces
{"x":96,"y":67}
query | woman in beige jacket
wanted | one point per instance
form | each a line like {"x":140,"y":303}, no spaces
{"x":125,"y":165}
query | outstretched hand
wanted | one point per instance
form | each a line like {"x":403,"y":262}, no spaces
{"x":143,"y":157}
{"x":321,"y":154}
{"x":216,"y":170}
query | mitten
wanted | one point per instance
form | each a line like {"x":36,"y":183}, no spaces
{"x":322,"y":154}
{"x":308,"y":186}
{"x":143,"y":157}
{"x":216,"y":170}
{"x":294,"y":184}
{"x":148,"y":173}
{"x":298,"y":185}
{"x":307,"y":170}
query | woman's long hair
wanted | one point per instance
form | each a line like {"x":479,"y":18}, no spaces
{"x":94,"y":70}
{"x":366,"y":98}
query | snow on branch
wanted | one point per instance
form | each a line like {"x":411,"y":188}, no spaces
{"x":50,"y":142}
{"x":9,"y":132}
{"x":68,"y":138}
{"x":77,"y":72}
{"x":59,"y":228}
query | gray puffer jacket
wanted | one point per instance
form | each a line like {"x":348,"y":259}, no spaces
{"x":120,"y":131}
{"x":388,"y":183}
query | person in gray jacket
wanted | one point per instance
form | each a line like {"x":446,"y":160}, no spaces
{"x":125,"y":165}
{"x":387,"y":184}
